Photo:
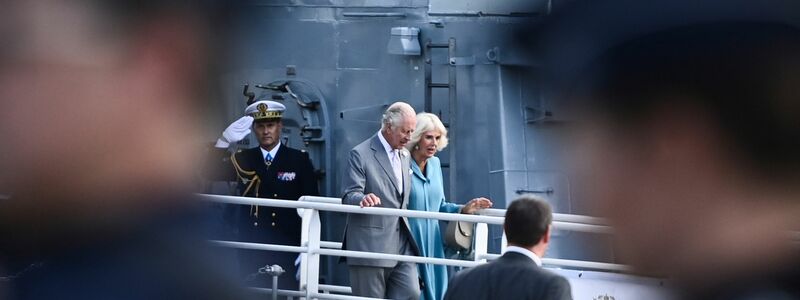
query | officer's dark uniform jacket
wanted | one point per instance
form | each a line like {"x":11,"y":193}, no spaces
{"x":288,"y":176}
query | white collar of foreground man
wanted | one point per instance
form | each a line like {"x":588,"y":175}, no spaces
{"x":535,"y":258}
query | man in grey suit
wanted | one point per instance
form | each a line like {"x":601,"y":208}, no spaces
{"x":378,"y":175}
{"x":518,"y":274}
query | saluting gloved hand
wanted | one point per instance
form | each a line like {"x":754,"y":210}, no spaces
{"x":235,"y":132}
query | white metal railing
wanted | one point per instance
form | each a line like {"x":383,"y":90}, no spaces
{"x":312,"y":247}
{"x":556,"y":217}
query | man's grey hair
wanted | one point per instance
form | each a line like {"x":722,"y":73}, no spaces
{"x":396,"y":113}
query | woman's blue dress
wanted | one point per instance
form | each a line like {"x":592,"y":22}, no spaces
{"x":427,"y":194}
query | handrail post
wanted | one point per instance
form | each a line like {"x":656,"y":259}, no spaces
{"x":481,"y":242}
{"x":306,"y":215}
{"x":312,"y":257}
{"x":503,"y":243}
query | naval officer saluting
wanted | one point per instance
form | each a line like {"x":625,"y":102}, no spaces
{"x":271,"y":170}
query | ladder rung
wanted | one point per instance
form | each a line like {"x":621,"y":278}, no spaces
{"x":433,"y":45}
{"x":439,"y":85}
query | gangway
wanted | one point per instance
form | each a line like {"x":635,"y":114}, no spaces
{"x":593,"y":275}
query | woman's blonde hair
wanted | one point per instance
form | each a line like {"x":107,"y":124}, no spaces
{"x":427,"y":122}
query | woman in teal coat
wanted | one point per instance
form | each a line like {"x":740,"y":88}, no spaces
{"x":427,"y":194}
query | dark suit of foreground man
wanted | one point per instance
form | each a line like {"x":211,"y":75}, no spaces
{"x":378,"y":175}
{"x":271,"y":170}
{"x":518,"y":273}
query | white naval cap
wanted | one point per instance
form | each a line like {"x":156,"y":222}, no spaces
{"x":265,"y":109}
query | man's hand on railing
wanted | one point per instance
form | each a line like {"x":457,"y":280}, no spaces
{"x":370,"y":200}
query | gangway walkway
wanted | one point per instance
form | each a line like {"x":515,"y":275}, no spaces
{"x":312,"y":247}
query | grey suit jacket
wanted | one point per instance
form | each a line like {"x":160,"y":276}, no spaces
{"x":512,"y":276}
{"x":369,"y":171}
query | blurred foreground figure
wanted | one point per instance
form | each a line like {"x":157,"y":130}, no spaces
{"x":693,"y":136}
{"x":97,"y":115}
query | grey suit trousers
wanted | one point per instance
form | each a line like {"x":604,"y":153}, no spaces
{"x":398,"y":282}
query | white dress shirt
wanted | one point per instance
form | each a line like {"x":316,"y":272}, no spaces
{"x":394,"y":159}
{"x":535,"y":258}
{"x":272,"y":152}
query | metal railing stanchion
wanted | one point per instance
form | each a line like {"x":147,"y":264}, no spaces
{"x":304,"y":237}
{"x":312,"y":267}
{"x":481,"y":242}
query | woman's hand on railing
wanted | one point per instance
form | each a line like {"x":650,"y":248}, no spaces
{"x":476,"y":204}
